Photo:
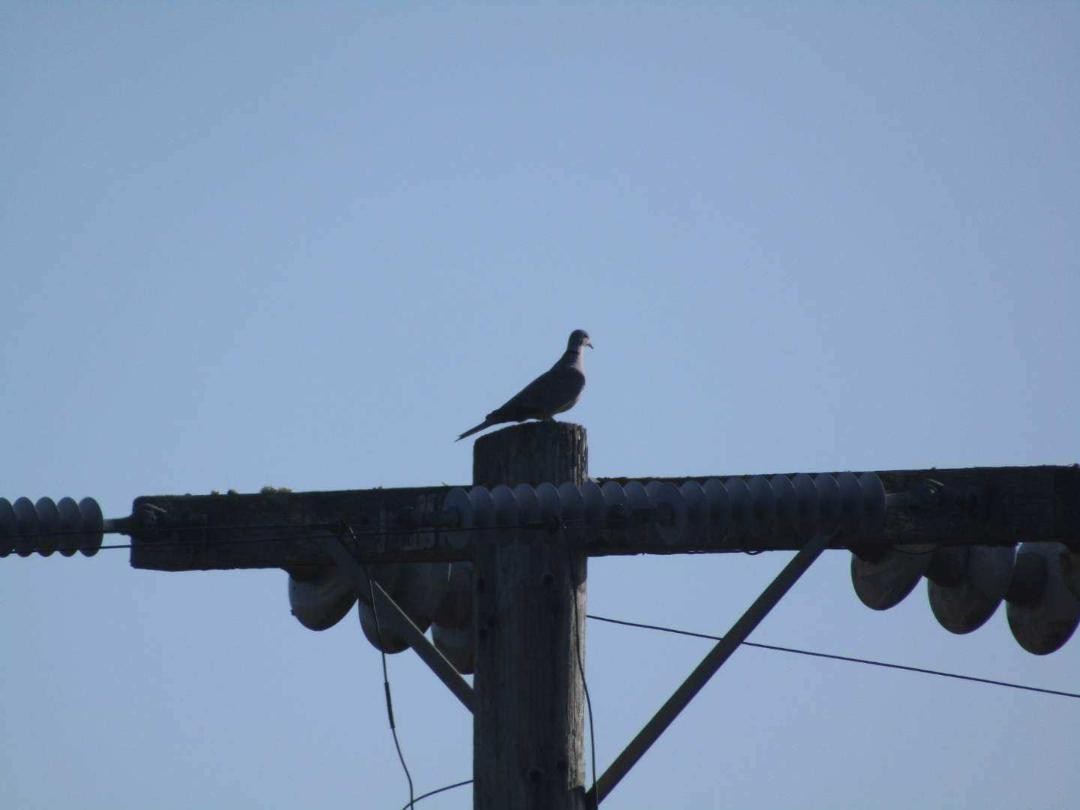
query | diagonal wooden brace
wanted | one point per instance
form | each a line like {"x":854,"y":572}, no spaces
{"x":716,"y":657}
{"x":396,"y":621}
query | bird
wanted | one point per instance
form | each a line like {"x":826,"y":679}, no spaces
{"x":554,"y":391}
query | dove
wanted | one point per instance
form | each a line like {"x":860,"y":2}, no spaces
{"x":554,"y":391}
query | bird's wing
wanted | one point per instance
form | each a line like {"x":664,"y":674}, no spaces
{"x":552,"y":392}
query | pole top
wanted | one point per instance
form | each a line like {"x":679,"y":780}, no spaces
{"x":532,"y":453}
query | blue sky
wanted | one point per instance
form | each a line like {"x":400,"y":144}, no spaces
{"x":307,"y":245}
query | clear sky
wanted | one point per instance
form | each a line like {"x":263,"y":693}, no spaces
{"x":308,"y":244}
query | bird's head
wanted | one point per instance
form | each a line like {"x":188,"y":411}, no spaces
{"x":578,"y":338}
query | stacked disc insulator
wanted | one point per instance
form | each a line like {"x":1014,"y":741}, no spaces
{"x":48,"y":526}
{"x":417,"y":588}
{"x":452,"y":630}
{"x":737,"y":509}
{"x":1040,"y":582}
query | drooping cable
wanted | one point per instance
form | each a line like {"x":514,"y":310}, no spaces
{"x":386,"y":676}
{"x":443,"y":789}
{"x":580,"y":663}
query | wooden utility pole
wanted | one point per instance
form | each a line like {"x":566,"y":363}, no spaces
{"x":527,"y":527}
{"x":528,"y":719}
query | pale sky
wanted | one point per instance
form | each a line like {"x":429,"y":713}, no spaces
{"x":307,"y":245}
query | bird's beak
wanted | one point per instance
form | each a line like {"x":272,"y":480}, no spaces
{"x":589,"y":343}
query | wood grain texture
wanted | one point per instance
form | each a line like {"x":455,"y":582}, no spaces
{"x":528,"y":747}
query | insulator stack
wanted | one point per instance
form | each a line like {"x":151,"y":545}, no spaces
{"x":452,"y":630}
{"x":322,"y":601}
{"x":1042,"y":618}
{"x":965,"y":585}
{"x":418,"y":589}
{"x":885,"y":579}
{"x":741,"y":510}
{"x":47,"y":526}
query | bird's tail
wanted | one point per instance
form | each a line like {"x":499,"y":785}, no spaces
{"x":477,"y":429}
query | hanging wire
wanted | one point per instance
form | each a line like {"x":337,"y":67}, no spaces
{"x":443,"y":789}
{"x":580,"y":662}
{"x":386,"y":676}
{"x":834,"y":657}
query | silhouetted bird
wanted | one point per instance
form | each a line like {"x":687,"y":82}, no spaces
{"x":554,"y":391}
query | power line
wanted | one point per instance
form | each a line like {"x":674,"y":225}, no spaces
{"x":443,"y":789}
{"x":834,"y":657}
{"x":298,"y":534}
{"x":335,"y":527}
{"x":547,"y":527}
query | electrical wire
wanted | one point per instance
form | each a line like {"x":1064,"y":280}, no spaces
{"x":386,"y":679}
{"x":301,"y":532}
{"x":415,"y":530}
{"x":443,"y":789}
{"x":149,"y":530}
{"x":581,"y":666}
{"x":127,"y":527}
{"x":831,"y":656}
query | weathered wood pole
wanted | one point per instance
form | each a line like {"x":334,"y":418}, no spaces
{"x":528,"y":720}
